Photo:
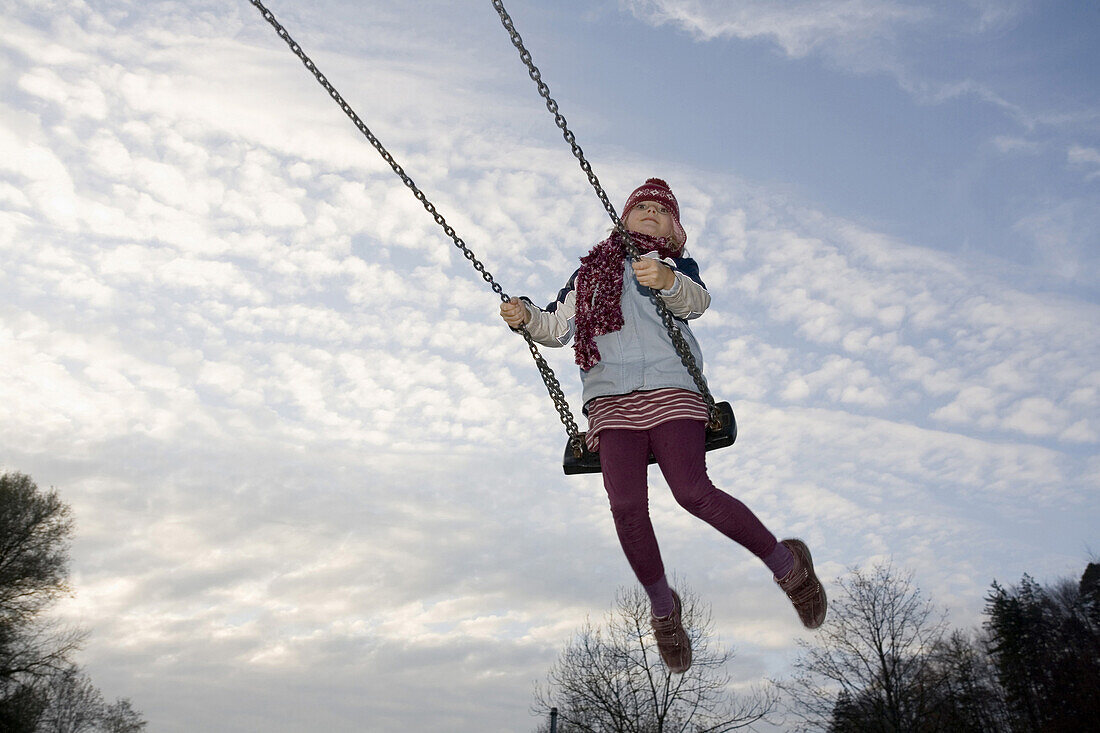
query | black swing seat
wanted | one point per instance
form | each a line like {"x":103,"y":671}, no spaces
{"x":724,"y":435}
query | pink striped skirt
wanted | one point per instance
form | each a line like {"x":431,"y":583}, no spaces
{"x":642,"y":411}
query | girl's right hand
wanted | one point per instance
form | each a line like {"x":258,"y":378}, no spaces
{"x":515,"y":313}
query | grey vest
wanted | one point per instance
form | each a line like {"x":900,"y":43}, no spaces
{"x":640,"y":356}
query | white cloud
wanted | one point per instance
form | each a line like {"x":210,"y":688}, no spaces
{"x":81,"y":97}
{"x":1064,"y":233}
{"x":747,"y":366}
{"x":1037,"y":416}
{"x":798,"y":28}
{"x":842,"y":380}
{"x":873,"y":37}
{"x":1080,"y":156}
{"x":1008,"y":144}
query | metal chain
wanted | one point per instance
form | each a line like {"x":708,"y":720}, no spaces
{"x":553,"y":387}
{"x":681,"y":345}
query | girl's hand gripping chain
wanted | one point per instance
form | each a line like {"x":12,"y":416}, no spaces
{"x":514,"y":313}
{"x":653,"y":274}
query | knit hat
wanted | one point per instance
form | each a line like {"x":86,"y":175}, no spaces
{"x":655,"y":189}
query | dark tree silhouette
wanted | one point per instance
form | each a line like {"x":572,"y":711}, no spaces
{"x":610,"y":678}
{"x":885,"y":664}
{"x":40,"y":687}
{"x":120,"y":717}
{"x":869,"y":667}
{"x":968,"y":695}
{"x":34,"y":547}
{"x":1045,"y":642}
{"x":34,"y":556}
{"x":75,"y":705}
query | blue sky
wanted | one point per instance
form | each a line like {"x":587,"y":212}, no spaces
{"x":316,"y":481}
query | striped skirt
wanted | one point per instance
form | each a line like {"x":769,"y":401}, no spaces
{"x":642,"y":411}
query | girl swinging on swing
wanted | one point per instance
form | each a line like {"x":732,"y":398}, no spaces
{"x":640,"y":399}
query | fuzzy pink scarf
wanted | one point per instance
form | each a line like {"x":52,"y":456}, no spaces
{"x":600,"y":290}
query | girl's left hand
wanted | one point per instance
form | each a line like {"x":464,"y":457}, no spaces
{"x":653,"y":274}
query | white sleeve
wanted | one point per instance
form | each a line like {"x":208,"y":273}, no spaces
{"x":555,"y":327}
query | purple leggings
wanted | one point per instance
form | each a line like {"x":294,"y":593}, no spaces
{"x":679,"y":447}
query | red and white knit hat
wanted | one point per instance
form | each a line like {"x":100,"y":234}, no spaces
{"x":654,"y":189}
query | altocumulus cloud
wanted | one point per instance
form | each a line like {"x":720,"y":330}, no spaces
{"x":316,"y":480}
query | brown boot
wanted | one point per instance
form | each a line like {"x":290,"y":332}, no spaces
{"x":672,"y":640}
{"x":802,"y":586}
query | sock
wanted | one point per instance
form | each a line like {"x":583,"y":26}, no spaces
{"x":660,"y":597}
{"x":779,"y":560}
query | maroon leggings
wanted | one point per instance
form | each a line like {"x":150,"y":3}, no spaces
{"x":679,"y":447}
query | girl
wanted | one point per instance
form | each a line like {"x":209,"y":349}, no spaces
{"x":639,"y":398}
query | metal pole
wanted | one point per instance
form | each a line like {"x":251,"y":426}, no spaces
{"x":553,"y":720}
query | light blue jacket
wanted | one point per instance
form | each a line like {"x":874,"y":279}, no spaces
{"x":640,"y":356}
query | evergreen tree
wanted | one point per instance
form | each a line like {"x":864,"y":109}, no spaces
{"x":969,"y":697}
{"x":1045,"y":643}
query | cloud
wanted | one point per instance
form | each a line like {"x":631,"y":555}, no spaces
{"x":1064,"y":235}
{"x":799,"y":29}
{"x":927,"y":47}
{"x":1087,"y":158}
{"x":1011,"y":144}
{"x":882,"y":323}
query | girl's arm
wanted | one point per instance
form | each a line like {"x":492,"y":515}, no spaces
{"x":687,"y":297}
{"x":550,"y":326}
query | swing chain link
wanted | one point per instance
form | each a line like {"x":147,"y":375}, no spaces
{"x":553,"y":386}
{"x":374,"y":141}
{"x":552,"y":106}
{"x":674,"y":332}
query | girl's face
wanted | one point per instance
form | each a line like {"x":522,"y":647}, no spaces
{"x":649,"y":217}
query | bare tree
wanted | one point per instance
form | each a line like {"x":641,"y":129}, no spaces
{"x":40,"y":687}
{"x":34,"y":555}
{"x":34,"y":548}
{"x":870,"y":667}
{"x":120,"y":717}
{"x":75,"y":704}
{"x":610,"y":678}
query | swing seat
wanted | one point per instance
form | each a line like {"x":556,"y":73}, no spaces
{"x":722,"y":436}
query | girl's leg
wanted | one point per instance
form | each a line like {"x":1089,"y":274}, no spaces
{"x":680,"y":449}
{"x":623,"y":459}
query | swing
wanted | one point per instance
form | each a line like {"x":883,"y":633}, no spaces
{"x":722,"y":426}
{"x":588,"y":462}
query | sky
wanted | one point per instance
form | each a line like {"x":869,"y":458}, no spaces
{"x":316,"y":482}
